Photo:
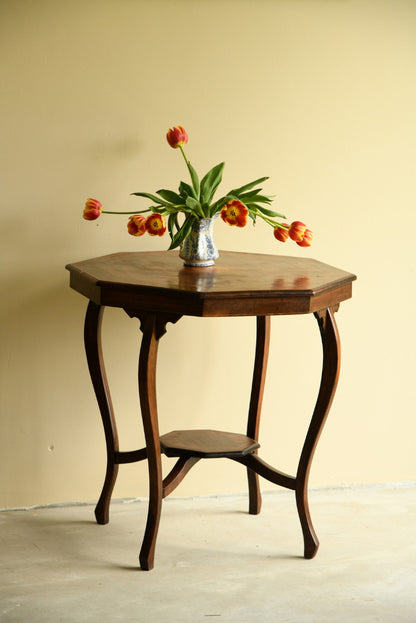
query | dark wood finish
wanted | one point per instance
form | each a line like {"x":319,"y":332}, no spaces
{"x":329,"y":380}
{"x":239,"y":284}
{"x":256,"y":400}
{"x":256,"y":464}
{"x":93,"y":349}
{"x":133,"y":456}
{"x":207,"y":444}
{"x":178,"y":473}
{"x":155,"y":288}
{"x":147,"y":390}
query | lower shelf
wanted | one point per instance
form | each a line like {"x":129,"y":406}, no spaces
{"x":207,"y":444}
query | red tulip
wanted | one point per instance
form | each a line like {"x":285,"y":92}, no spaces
{"x":177,"y":137}
{"x":307,"y":239}
{"x":280,"y":233}
{"x":235,"y":213}
{"x":92,"y":210}
{"x":155,"y":224}
{"x":136,"y":225}
{"x":297,"y":231}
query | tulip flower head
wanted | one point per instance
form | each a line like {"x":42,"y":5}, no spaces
{"x":281,"y":232}
{"x":307,"y":239}
{"x":136,"y":225}
{"x":92,"y":210}
{"x":235,"y":213}
{"x":155,"y":224}
{"x":297,"y":231}
{"x":177,"y":137}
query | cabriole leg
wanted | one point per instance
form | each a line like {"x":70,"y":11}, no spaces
{"x":257,"y":390}
{"x":147,"y":389}
{"x":329,"y":379}
{"x":93,"y":349}
{"x":153,"y":326}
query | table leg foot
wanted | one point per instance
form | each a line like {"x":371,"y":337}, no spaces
{"x":102,"y":510}
{"x":310,"y":540}
{"x":145,"y":565}
{"x":311,"y":549}
{"x":147,"y":552}
{"x":254,"y":494}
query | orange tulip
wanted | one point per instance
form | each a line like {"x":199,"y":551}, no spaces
{"x":307,"y":239}
{"x":235,"y":213}
{"x":92,"y":210}
{"x":280,"y":233}
{"x":155,"y":224}
{"x":136,"y":225}
{"x":297,"y":231}
{"x":177,"y":137}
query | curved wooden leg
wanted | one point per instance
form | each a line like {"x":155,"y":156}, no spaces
{"x":92,"y":341}
{"x":153,"y":326}
{"x":147,"y":389}
{"x":257,"y":389}
{"x":329,"y":379}
{"x":182,"y":466}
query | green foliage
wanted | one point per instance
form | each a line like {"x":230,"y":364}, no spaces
{"x":196,"y":201}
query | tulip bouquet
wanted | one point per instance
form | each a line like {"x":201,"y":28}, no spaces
{"x":195,"y":201}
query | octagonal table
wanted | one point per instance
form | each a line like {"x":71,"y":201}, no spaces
{"x":156,"y":288}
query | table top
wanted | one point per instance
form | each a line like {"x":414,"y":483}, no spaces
{"x":239,"y":284}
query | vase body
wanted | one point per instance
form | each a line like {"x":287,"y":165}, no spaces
{"x":198,"y":248}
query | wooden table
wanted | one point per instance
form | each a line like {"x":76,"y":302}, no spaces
{"x":156,"y":288}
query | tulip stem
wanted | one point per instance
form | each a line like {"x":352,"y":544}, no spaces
{"x":108,"y":212}
{"x":268,"y":220}
{"x":272,"y":222}
{"x":184,"y":155}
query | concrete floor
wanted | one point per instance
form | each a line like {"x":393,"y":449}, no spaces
{"x":215,"y":562}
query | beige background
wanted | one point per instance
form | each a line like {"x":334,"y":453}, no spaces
{"x":318,"y":94}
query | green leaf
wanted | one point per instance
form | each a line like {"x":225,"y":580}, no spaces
{"x":243,"y":189}
{"x":186,"y":210}
{"x":170,"y":195}
{"x":195,"y":180}
{"x":266,"y":211}
{"x":210,"y":183}
{"x":182,"y":233}
{"x":152,"y":198}
{"x":172,"y":223}
{"x":254,"y":196}
{"x":186,"y":190}
{"x":264,"y":199}
{"x":195,"y":206}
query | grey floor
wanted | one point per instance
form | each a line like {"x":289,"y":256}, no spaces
{"x":215,"y":562}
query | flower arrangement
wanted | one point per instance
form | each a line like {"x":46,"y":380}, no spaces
{"x":195,"y":201}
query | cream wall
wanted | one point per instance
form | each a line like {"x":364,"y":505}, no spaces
{"x":318,"y":94}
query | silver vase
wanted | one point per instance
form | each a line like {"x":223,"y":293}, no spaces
{"x":198,"y":248}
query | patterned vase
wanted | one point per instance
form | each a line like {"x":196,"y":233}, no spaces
{"x":198,"y":248}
